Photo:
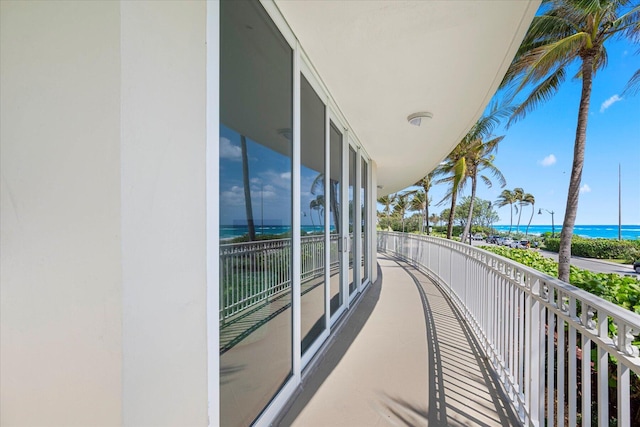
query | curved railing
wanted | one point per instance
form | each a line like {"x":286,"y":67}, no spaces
{"x":539,"y":333}
{"x":253,"y":272}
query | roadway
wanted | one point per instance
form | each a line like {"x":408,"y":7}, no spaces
{"x":590,"y":264}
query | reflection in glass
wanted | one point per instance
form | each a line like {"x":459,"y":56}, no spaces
{"x":352,"y":193}
{"x":364,"y":220}
{"x":336,"y":238}
{"x":312,"y":204}
{"x":255,"y":211}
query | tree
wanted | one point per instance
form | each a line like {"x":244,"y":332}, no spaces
{"x":528,"y":199}
{"x":387,"y":201}
{"x":568,"y":32}
{"x":251,"y":228}
{"x":475,"y":154}
{"x":426,"y":183}
{"x":454,"y":170}
{"x":435,"y":219}
{"x":518,"y":193}
{"x":507,"y":197}
{"x":419,"y":204}
{"x":400,"y":207}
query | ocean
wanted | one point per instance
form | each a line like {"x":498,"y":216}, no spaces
{"x":629,"y":232}
{"x":231,"y":231}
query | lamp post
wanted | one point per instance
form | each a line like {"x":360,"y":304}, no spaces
{"x":553,"y":227}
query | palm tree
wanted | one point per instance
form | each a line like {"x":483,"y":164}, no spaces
{"x":426,"y":183}
{"x":474,"y":154}
{"x":251,"y":228}
{"x":569,"y":31}
{"x":518,"y":193}
{"x":435,"y":219}
{"x":419,"y":204}
{"x":528,"y":199}
{"x":400,"y":206}
{"x":454,"y":169}
{"x":507,"y":197}
{"x":387,"y":201}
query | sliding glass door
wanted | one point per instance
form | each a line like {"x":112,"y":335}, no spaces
{"x":255,"y":167}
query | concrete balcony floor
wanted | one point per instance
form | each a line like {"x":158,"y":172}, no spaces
{"x":403,"y":357}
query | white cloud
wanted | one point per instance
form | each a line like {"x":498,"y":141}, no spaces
{"x":609,"y":102}
{"x":548,"y":161}
{"x":585,"y":189}
{"x":229,"y":151}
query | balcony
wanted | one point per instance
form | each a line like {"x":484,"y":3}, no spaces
{"x":454,"y":335}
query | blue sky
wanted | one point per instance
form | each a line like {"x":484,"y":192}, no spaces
{"x":537,"y":152}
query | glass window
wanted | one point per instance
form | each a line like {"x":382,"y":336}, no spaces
{"x":312,"y":203}
{"x":364,"y":221}
{"x":336,"y":237}
{"x":256,"y":105}
{"x":352,"y":207}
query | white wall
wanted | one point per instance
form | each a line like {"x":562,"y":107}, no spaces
{"x":103,"y":259}
{"x":61,"y":279}
{"x":163,"y":213}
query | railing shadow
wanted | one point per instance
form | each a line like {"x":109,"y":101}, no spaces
{"x":462,"y":387}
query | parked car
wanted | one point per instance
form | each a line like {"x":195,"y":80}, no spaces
{"x":477,"y":236}
{"x":521,"y":244}
{"x":492,"y":239}
{"x":636,"y":266}
{"x":507,"y":241}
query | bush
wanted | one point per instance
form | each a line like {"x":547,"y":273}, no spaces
{"x":623,"y":291}
{"x":627,"y":250}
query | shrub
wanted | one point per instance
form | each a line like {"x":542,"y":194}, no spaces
{"x":623,"y":291}
{"x":627,"y":250}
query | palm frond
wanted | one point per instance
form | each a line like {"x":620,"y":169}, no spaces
{"x":539,"y":94}
{"x":633,"y":85}
{"x":538,"y":63}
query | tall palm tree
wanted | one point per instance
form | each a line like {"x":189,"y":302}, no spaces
{"x":419,"y":204}
{"x":568,"y":32}
{"x":507,"y":197}
{"x":251,"y":228}
{"x":400,"y":206}
{"x":426,"y":183}
{"x":519,"y":193}
{"x":528,"y":199}
{"x":472,"y":155}
{"x":387,"y":201}
{"x":454,"y":170}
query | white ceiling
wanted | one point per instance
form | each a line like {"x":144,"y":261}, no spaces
{"x":383,"y":60}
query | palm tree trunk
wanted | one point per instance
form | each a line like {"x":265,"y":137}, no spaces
{"x":467,"y":227}
{"x":247,"y":189}
{"x":511,"y":221}
{"x":333,"y":195}
{"x":533,"y":208}
{"x":452,"y":211}
{"x":571,"y":210}
{"x":519,"y":217}
{"x":426,"y":213}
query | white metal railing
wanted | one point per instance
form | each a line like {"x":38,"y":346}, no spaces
{"x":540,"y":334}
{"x":253,"y":272}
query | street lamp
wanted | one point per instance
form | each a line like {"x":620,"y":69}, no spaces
{"x":553,"y":227}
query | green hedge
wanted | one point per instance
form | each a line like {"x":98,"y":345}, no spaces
{"x":623,"y":291}
{"x":628,"y":250}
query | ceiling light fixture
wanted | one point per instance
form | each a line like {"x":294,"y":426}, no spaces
{"x":416,"y":118}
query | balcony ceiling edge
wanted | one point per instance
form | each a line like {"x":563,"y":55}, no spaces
{"x":384,"y":60}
